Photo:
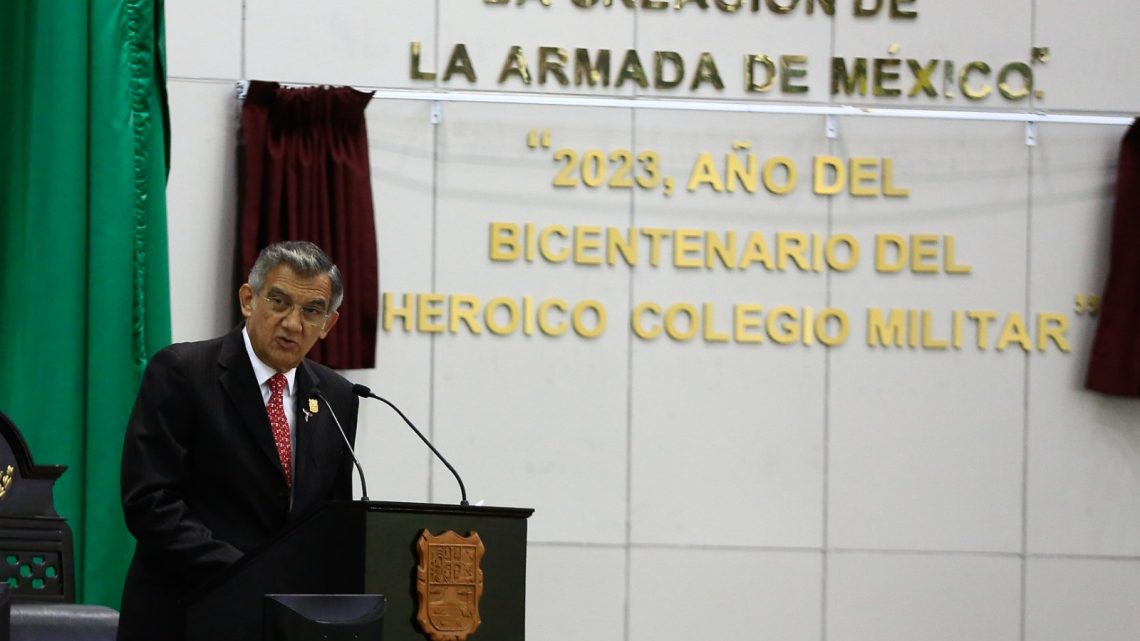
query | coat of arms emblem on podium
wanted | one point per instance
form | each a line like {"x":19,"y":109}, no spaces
{"x":449,"y":584}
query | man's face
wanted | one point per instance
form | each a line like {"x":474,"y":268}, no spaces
{"x":286,"y":318}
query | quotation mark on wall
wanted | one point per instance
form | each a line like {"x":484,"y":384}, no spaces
{"x":536,"y":139}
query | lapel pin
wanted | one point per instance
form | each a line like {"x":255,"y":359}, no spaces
{"x":314,"y":406}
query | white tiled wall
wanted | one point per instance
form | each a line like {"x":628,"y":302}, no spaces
{"x":489,"y":31}
{"x":400,"y":153}
{"x":335,"y":43}
{"x":933,"y":463}
{"x":941,"y":597}
{"x":591,"y":600}
{"x":724,"y":594}
{"x":201,"y":203}
{"x":537,"y":420}
{"x":951,"y":33}
{"x":739,"y":422}
{"x":795,"y":34}
{"x":204,"y":40}
{"x":1082,"y":599}
{"x":1082,"y":491}
{"x":718,"y":490}
{"x":1089,"y":49}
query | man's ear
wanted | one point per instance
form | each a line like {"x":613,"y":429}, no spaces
{"x":245,"y":298}
{"x":333,"y":318}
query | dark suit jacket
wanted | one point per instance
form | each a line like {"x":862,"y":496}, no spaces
{"x":201,"y":480}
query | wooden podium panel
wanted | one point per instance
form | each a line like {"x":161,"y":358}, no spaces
{"x":370,"y":548}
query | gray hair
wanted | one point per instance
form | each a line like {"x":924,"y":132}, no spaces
{"x":304,"y":258}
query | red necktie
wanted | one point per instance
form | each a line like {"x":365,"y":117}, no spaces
{"x":280,"y":424}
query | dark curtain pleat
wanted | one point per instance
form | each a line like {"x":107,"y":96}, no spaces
{"x":1115,"y":364}
{"x":305,"y":176}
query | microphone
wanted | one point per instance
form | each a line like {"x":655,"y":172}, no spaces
{"x":364,"y":392}
{"x":316,"y":393}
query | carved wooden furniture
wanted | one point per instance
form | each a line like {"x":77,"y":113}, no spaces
{"x":35,"y":543}
{"x":36,"y":563}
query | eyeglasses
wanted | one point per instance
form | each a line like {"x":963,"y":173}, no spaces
{"x":310,"y":314}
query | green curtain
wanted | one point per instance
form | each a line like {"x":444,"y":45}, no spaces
{"x":84,"y":285}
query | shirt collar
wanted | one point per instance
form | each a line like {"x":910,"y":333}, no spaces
{"x":263,"y":372}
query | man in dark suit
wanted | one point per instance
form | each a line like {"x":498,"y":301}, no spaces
{"x":224,"y":447}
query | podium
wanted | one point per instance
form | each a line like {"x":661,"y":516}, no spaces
{"x":442,"y":569}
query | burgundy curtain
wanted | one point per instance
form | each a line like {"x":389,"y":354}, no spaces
{"x":1115,"y":364}
{"x":305,"y":177}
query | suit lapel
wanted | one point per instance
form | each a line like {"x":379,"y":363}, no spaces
{"x":240,"y":384}
{"x":310,"y":426}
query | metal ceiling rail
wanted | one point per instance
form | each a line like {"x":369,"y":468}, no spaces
{"x":745,"y":107}
{"x":731,"y":106}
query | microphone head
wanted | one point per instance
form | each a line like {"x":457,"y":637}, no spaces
{"x":361,"y":390}
{"x":316,"y":393}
